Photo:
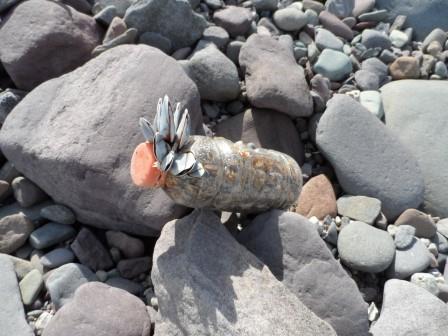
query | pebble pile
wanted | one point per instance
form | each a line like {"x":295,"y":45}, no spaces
{"x":354,"y":90}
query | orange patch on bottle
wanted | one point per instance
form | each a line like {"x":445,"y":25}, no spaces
{"x":143,"y":171}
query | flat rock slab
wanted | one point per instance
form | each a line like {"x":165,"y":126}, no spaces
{"x":12,"y":315}
{"x":368,"y":159}
{"x":98,"y":309}
{"x":208,"y":284}
{"x":360,"y":208}
{"x":422,"y":15}
{"x":79,"y":150}
{"x":44,"y":39}
{"x":409,"y":310}
{"x":273,"y":78}
{"x":290,"y":246}
{"x":416,"y":112}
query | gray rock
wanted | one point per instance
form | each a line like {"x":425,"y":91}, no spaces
{"x":158,"y":16}
{"x":8,"y":172}
{"x":217,"y":282}
{"x":120,"y":5}
{"x":105,"y":310}
{"x":360,"y":208}
{"x":367,"y":80}
{"x":235,"y":20}
{"x":273,"y":78}
{"x":291,"y":247}
{"x":436,"y":35}
{"x":90,"y":251}
{"x":375,"y":39}
{"x":410,"y":310}
{"x":216,"y":35}
{"x":58,"y":213}
{"x":156,"y":40}
{"x":106,"y":15}
{"x":373,"y":16}
{"x":440,"y":69}
{"x":131,"y":268}
{"x":314,"y":5}
{"x":26,"y":192}
{"x":12,"y":315}
{"x":129,"y":286}
{"x":44,"y":39}
{"x":423,"y":223}
{"x":415,"y":258}
{"x":21,"y":267}
{"x":363,"y":6}
{"x":261,"y":128}
{"x":30,"y":287}
{"x":51,"y":234}
{"x":442,"y":227}
{"x":62,"y":282}
{"x":129,"y":246}
{"x":265,"y":5}
{"x":423,"y":16}
{"x":404,"y":236}
{"x":372,"y":101}
{"x":375,"y":66}
{"x":116,"y":28}
{"x":32,"y":213}
{"x":99,"y":195}
{"x":57,"y":257}
{"x":340,"y":8}
{"x":83,"y":6}
{"x":290,"y":19}
{"x":365,"y":248}
{"x":418,"y":120}
{"x":426,"y":281}
{"x":8,"y":100}
{"x":333,"y":64}
{"x":215,"y":75}
{"x":14,"y":232}
{"x":128,"y":37}
{"x":386,"y":171}
{"x":335,"y":25}
{"x":326,"y":39}
{"x":7,"y":4}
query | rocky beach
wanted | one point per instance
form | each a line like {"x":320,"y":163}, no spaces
{"x":354,"y":91}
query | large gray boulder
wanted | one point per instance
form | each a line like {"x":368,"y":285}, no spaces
{"x":274,"y":80}
{"x":409,"y":310}
{"x":422,"y":15}
{"x":12,"y":314}
{"x":416,"y":111}
{"x":43,"y":39}
{"x":173,"y":19}
{"x":368,"y":158}
{"x":74,"y":136}
{"x":262,"y":127}
{"x":98,"y":309}
{"x":208,"y":284}
{"x":290,"y":246}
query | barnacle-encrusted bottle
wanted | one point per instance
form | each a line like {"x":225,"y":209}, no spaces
{"x":212,"y":172}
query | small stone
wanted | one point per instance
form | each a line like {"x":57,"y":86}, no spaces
{"x":130,"y":268}
{"x":102,"y":275}
{"x":335,"y":25}
{"x":26,"y":192}
{"x":115,"y":254}
{"x":375,"y":39}
{"x":312,"y":17}
{"x":373,"y":312}
{"x":415,"y":258}
{"x":51,"y":234}
{"x":233,"y":51}
{"x":156,"y":40}
{"x":442,"y":227}
{"x":317,"y":198}
{"x":116,"y":28}
{"x":340,"y":8}
{"x":58,"y":213}
{"x":426,"y":281}
{"x":57,"y":257}
{"x":290,"y":19}
{"x":42,"y":322}
{"x":265,"y":5}
{"x":365,"y":248}
{"x":106,"y":15}
{"x":374,"y":16}
{"x":405,"y":67}
{"x":236,"y":20}
{"x":14,"y":232}
{"x":404,"y":236}
{"x":128,"y":37}
{"x":372,"y":101}
{"x":8,"y":100}
{"x":360,"y":208}
{"x":363,"y":6}
{"x":376,"y":66}
{"x":216,"y":35}
{"x":63,"y":281}
{"x":398,"y":38}
{"x":434,"y":48}
{"x":333,"y":64}
{"x":367,"y":80}
{"x":129,"y":246}
{"x":30,"y":287}
{"x":441,"y":70}
{"x":314,"y":5}
{"x":129,"y":286}
{"x":326,"y":39}
{"x":438,"y":35}
{"x":90,"y":251}
{"x":423,"y":223}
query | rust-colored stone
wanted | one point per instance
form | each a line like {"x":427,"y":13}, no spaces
{"x":317,"y":198}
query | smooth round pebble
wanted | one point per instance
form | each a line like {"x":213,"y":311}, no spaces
{"x":415,"y":258}
{"x":404,"y":236}
{"x":333,"y":64}
{"x":290,"y":19}
{"x":58,"y":213}
{"x":57,"y":257}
